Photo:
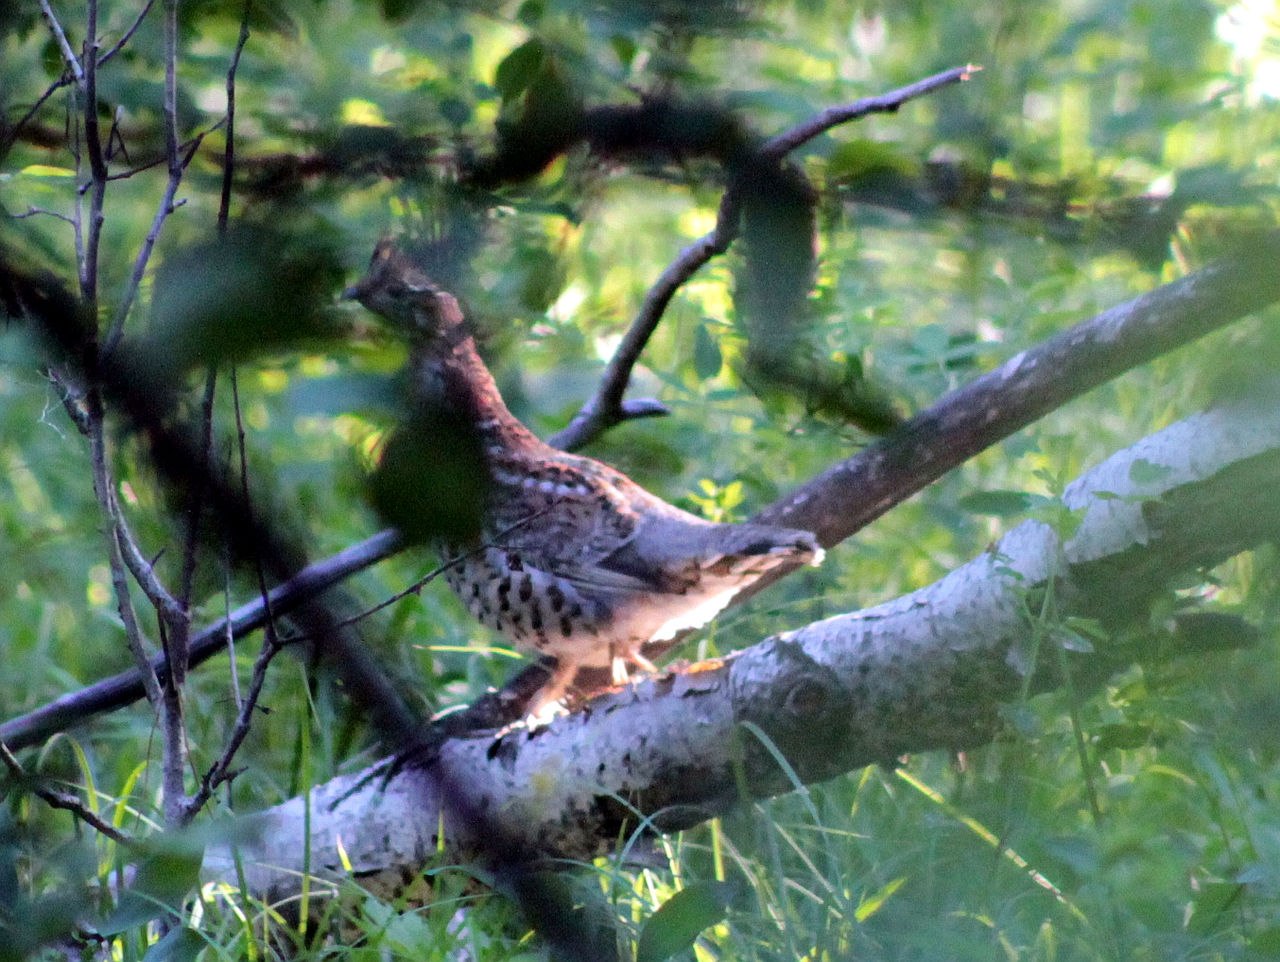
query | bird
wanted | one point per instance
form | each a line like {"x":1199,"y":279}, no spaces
{"x":575,"y":560}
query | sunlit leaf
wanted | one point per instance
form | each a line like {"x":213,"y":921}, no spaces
{"x":45,"y":170}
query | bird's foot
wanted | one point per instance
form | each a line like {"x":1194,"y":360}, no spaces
{"x":618,"y":665}
{"x":541,"y":713}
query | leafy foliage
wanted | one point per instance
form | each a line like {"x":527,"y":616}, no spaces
{"x":1105,"y":147}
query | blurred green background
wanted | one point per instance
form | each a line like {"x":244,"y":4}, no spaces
{"x":1104,"y":148}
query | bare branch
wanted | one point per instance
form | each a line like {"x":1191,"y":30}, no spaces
{"x":64,"y":45}
{"x":784,"y":143}
{"x":128,"y":34}
{"x":605,"y":408}
{"x":63,"y":800}
{"x":176,"y":159}
{"x":40,"y":211}
{"x":143,"y":570}
{"x":97,"y":161}
{"x":229,"y":154}
{"x":220,"y":771}
{"x":34,"y":109}
{"x":103,"y":486}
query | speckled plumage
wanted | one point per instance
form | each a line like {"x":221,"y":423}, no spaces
{"x":577,"y":561}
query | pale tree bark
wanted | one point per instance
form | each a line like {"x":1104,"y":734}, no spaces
{"x":927,"y":671}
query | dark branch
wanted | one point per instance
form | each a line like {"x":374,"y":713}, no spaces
{"x":843,"y":499}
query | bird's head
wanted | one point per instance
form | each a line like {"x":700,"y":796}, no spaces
{"x":398,"y":290}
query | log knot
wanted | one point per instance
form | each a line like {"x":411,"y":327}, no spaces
{"x":790,"y":696}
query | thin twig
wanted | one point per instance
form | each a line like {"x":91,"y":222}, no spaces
{"x":220,"y":771}
{"x":103,"y":488}
{"x":64,"y":45}
{"x":62,"y":800}
{"x":781,"y":145}
{"x":97,"y":163}
{"x":34,"y":109}
{"x":188,"y":148}
{"x":269,"y":622}
{"x":143,"y":570}
{"x":606,"y":407}
{"x":38,"y":211}
{"x":229,"y":152}
{"x":167,"y":206}
{"x":128,"y":34}
{"x":173,"y":158}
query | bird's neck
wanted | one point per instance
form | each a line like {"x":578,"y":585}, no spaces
{"x":451,"y":373}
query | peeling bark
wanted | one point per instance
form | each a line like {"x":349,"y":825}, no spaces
{"x":925,"y":671}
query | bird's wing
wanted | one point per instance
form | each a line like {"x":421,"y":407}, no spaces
{"x":577,"y":519}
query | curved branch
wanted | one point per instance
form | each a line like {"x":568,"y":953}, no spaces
{"x":925,"y":671}
{"x":605,"y":408}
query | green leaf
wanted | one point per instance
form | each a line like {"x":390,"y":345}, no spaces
{"x":518,"y":69}
{"x":870,"y":904}
{"x":1072,"y":640}
{"x":180,"y":945}
{"x":432,"y":480}
{"x":1143,"y":471}
{"x":1266,"y":944}
{"x":229,"y":299}
{"x":1212,"y":906}
{"x":681,"y":918}
{"x":707,"y":359}
{"x":46,"y":170}
{"x":1109,"y":737}
{"x":1002,"y":504}
{"x":624,"y":48}
{"x":167,"y":872}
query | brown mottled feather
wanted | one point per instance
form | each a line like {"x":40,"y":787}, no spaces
{"x":577,"y":560}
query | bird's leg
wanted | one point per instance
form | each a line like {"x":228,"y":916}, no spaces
{"x":618,"y":664}
{"x":545,"y":705}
